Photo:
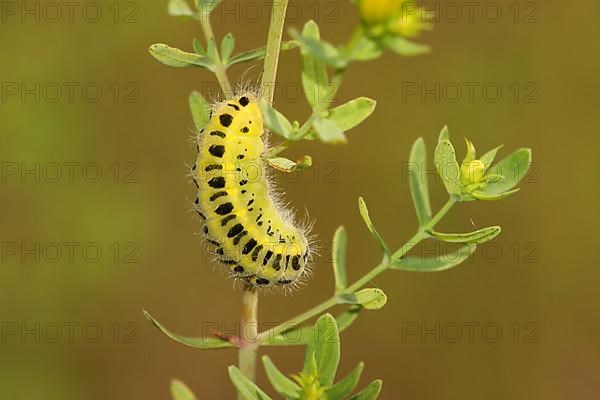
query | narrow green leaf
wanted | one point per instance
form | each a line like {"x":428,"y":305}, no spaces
{"x":300,"y":336}
{"x":245,"y":386}
{"x":325,"y":347}
{"x":281,"y":383}
{"x":365,"y":50}
{"x":211,"y":49}
{"x":339,"y":249}
{"x":514,"y":168}
{"x":447,"y":166}
{"x":282,"y":164}
{"x":492,"y":197}
{"x":405,"y":47}
{"x":444,"y":134}
{"x":314,"y":71}
{"x":180,"y":8}
{"x":371,"y":392}
{"x":275,"y":120}
{"x":343,"y":388}
{"x":200,"y":110}
{"x":227,"y":46}
{"x":320,"y":49}
{"x":370,"y":298}
{"x":488,"y":158}
{"x":198,"y":47}
{"x":419,"y":190}
{"x":352,"y":113}
{"x":477,"y":237}
{"x":180,"y":391}
{"x":259,"y":54}
{"x":434,"y":264}
{"x":178,"y":58}
{"x":328,"y":131}
{"x":364,"y":213}
{"x":197,"y":343}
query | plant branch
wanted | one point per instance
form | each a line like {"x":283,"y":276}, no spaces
{"x":220,"y":69}
{"x":249,"y":332}
{"x":332,"y":301}
{"x":273,"y":48}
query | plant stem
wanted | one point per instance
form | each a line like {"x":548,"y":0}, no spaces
{"x":249,"y":336}
{"x":332,"y":301}
{"x":249,"y":333}
{"x":273,"y":48}
{"x":220,"y":69}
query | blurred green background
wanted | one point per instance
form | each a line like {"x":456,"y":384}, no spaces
{"x":72,"y":326}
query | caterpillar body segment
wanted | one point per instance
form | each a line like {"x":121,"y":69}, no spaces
{"x":253,"y":235}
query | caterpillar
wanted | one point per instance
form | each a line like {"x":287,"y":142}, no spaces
{"x":251,"y":233}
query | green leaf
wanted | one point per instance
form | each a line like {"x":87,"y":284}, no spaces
{"x":371,"y":392}
{"x":198,"y":47}
{"x":434,"y":264}
{"x":314,"y":71}
{"x":275,"y":121}
{"x":364,"y":213}
{"x":211,"y":49}
{"x":245,"y":386}
{"x":444,"y":134}
{"x":488,"y":158}
{"x":514,"y":168}
{"x":491,"y":197}
{"x":447,"y":166}
{"x":339,"y":249}
{"x":344,"y":387}
{"x":477,"y":237}
{"x":405,"y":47}
{"x":418,"y":181}
{"x":370,"y":298}
{"x":180,"y":391}
{"x":365,"y":50}
{"x":300,"y":336}
{"x":197,"y":343}
{"x":325,"y":347}
{"x":259,"y":54}
{"x":282,"y":164}
{"x":321,"y":49}
{"x":227,"y":46}
{"x":180,"y":8}
{"x":200,"y":110}
{"x":178,"y":58}
{"x":282,"y":384}
{"x":328,"y":131}
{"x":206,"y":7}
{"x":352,"y":113}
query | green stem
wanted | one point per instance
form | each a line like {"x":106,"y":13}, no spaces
{"x":220,"y":69}
{"x":249,"y":332}
{"x":332,"y":301}
{"x":273,"y":48}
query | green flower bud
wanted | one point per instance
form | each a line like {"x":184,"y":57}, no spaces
{"x":410,"y":22}
{"x":378,"y":11}
{"x":472,"y":172}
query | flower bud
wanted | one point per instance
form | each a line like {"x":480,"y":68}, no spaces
{"x":377,"y":11}
{"x":472,"y":172}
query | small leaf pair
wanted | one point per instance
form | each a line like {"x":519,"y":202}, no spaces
{"x":316,"y":381}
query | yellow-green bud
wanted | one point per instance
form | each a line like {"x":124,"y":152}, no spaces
{"x":377,"y":11}
{"x":472,"y":172}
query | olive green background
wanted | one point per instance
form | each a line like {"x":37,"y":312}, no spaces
{"x":541,"y":271}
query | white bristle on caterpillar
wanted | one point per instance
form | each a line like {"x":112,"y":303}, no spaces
{"x":254,"y":234}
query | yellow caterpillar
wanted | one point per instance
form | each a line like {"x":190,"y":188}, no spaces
{"x":253,"y":236}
